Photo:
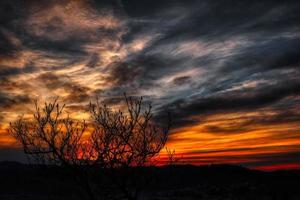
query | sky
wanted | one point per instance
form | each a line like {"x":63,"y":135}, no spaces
{"x":228,"y":71}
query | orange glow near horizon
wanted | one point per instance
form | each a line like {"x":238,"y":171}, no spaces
{"x":199,"y":145}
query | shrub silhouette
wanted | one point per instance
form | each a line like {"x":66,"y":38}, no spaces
{"x":120,"y":144}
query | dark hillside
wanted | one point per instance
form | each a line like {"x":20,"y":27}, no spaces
{"x":20,"y":181}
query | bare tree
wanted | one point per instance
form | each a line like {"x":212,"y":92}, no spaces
{"x":127,"y":139}
{"x":51,"y":138}
{"x":120,"y":143}
{"x":173,"y":158}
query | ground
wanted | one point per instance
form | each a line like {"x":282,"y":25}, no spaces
{"x":216,"y":182}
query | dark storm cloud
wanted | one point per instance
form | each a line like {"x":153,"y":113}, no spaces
{"x":226,"y":130}
{"x":25,"y":23}
{"x":270,"y":54}
{"x":268,"y":33}
{"x":93,"y":61}
{"x":139,"y":72}
{"x":146,"y":8}
{"x":181,"y":80}
{"x":12,"y":14}
{"x":68,"y":46}
{"x":123,"y":73}
{"x":72,"y":43}
{"x":221,"y":20}
{"x":6,"y":71}
{"x":149,"y":68}
{"x":269,"y":29}
{"x":76,"y":92}
{"x":226,"y":18}
{"x":246,"y":124}
{"x":289,"y":115}
{"x":7,"y":48}
{"x":232,"y":102}
{"x":113,"y":101}
{"x":8,"y":85}
{"x":9,"y":100}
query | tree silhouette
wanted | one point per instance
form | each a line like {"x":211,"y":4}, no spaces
{"x":120,"y":144}
{"x":123,"y":140}
{"x":53,"y":138}
{"x":126,"y":139}
{"x":50,"y":138}
{"x":173,"y":159}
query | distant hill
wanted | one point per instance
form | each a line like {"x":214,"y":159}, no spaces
{"x":19,"y":181}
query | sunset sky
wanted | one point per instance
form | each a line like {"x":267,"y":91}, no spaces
{"x":228,"y":71}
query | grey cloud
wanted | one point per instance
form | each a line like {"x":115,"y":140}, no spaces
{"x":245,"y":124}
{"x":231,"y":102}
{"x":8,"y":100}
{"x":181,"y":80}
{"x":76,"y":92}
{"x":268,"y":55}
{"x":6,"y":71}
{"x":227,"y":18}
{"x":93,"y":61}
{"x":123,"y":73}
